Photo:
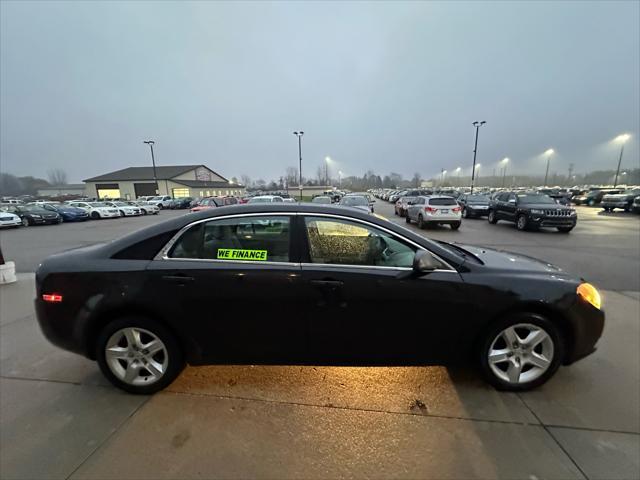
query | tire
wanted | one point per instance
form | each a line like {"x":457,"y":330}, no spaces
{"x":144,"y":212}
{"x":395,"y":211}
{"x":565,"y":229}
{"x":25,"y":222}
{"x":456,"y":226}
{"x":495,"y":339}
{"x":465,"y":214}
{"x":421,"y":223}
{"x":492,"y":217}
{"x":170,"y":359}
{"x":591,"y":202}
{"x":407,"y":219}
{"x":521,"y":222}
{"x":60,"y":220}
{"x":95,"y":215}
{"x":121,"y":213}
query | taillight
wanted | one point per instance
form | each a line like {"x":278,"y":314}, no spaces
{"x":52,"y":297}
{"x":456,"y":209}
{"x":430,"y":209}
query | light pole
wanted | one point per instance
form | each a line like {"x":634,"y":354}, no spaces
{"x":475,"y":151}
{"x":620,"y":139}
{"x":151,"y":143}
{"x":548,"y":153}
{"x":299,"y":135}
{"x":504,"y":169}
{"x":327,"y":160}
{"x":477,"y":175}
{"x":458,"y":170}
{"x":444,"y":172}
{"x":340,"y":179}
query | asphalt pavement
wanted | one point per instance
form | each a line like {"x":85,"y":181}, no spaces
{"x":59,"y":418}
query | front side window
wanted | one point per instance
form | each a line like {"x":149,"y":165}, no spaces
{"x":343,"y":242}
{"x":264,"y":239}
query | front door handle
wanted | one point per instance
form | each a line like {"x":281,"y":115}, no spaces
{"x":178,"y":278}
{"x":327,"y":283}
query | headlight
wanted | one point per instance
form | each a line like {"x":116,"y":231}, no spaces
{"x":589,"y":293}
{"x":537,"y":212}
{"x":573,"y":212}
{"x":36,"y":216}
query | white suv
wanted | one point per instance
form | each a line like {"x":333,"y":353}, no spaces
{"x":163,"y":201}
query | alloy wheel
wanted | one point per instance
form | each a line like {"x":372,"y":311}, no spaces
{"x":521,"y":353}
{"x":136,"y":356}
{"x":522,"y":222}
{"x":25,"y":222}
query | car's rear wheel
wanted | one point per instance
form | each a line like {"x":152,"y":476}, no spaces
{"x":521,"y":222}
{"x":138,"y":355}
{"x":465,"y":214}
{"x":591,"y":202}
{"x":565,"y":229}
{"x":421,"y":223}
{"x":492,"y":217}
{"x":60,"y":220}
{"x":456,"y":226}
{"x":521,"y":352}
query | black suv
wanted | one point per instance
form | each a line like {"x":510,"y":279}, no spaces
{"x":531,"y":211}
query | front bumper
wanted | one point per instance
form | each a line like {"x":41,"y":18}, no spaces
{"x":477,"y":212}
{"x":16,"y":223}
{"x":586,"y":323}
{"x":551,"y":221}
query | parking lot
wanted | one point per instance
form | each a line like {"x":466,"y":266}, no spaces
{"x":61,"y":419}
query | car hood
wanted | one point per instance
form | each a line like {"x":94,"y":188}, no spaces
{"x":617,"y":196}
{"x":546,"y":206}
{"x":77,"y":211}
{"x":502,"y":259}
{"x":359,"y":207}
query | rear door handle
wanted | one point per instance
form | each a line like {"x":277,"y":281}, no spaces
{"x":177,"y":278}
{"x":327,"y":283}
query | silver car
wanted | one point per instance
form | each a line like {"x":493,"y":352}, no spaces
{"x":435,"y":210}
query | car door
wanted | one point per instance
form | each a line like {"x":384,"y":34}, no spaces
{"x":231,"y":284}
{"x":366,"y":307}
{"x":509,"y":207}
{"x":413,"y":210}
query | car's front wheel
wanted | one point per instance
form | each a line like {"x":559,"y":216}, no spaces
{"x":421,"y":223}
{"x":521,"y":222}
{"x":521,"y":352}
{"x":138,"y":355}
{"x":407,"y":218}
{"x":25,"y":222}
{"x":492,"y":217}
{"x":95,"y":215}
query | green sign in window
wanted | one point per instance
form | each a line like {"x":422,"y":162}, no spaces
{"x":237,"y":254}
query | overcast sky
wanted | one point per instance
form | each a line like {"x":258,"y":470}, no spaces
{"x":386,"y":86}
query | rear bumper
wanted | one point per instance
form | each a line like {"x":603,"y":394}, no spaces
{"x":443,"y":218}
{"x":60,"y":328}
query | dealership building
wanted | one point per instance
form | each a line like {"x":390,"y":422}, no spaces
{"x":177,"y":181}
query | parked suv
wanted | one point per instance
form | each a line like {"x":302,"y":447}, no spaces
{"x":434,"y":210}
{"x":594,"y":197}
{"x":623,"y":200}
{"x":531,"y":211}
{"x":635,"y":206}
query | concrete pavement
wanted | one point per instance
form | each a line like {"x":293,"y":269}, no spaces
{"x":60,"y":418}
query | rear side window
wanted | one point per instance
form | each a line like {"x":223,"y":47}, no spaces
{"x":146,"y":249}
{"x":264,"y":239}
{"x":442,"y":201}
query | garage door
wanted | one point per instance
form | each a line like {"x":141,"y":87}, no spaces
{"x":144,"y":189}
{"x":108,"y":190}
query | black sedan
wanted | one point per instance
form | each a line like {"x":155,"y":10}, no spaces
{"x":35,"y":215}
{"x":310,"y":284}
{"x":474,"y":205}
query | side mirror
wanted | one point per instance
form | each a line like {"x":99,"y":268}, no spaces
{"x":424,"y":261}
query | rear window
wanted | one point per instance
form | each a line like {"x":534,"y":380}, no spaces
{"x":442,"y":201}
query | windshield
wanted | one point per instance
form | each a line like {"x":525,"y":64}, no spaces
{"x":535,"y":199}
{"x":408,"y":199}
{"x":260,"y":200}
{"x":96,"y":204}
{"x":321,"y":200}
{"x":478,"y":199}
{"x":120,"y":204}
{"x":354,"y":201}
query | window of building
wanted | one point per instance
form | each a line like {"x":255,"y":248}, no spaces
{"x":343,"y":242}
{"x":237,"y":239}
{"x":180,"y":192}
